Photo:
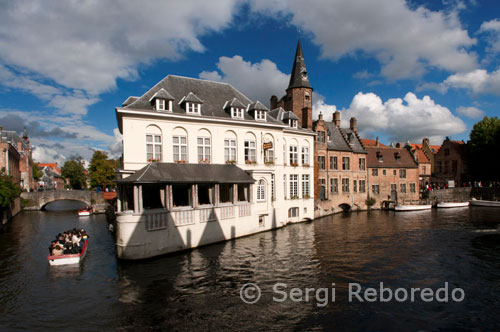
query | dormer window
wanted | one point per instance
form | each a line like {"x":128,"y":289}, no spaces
{"x":397,"y":155}
{"x":292,"y":123}
{"x":379,"y":156}
{"x":260,"y":115}
{"x":160,"y":104}
{"x":237,"y":113}
{"x":193,"y":108}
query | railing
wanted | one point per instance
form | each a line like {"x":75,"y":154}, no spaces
{"x":183,"y":217}
{"x":156,"y":221}
{"x":207,"y":215}
{"x":244,"y":210}
{"x":226,"y":212}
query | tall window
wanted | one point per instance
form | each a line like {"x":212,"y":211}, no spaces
{"x":273,"y":196}
{"x":305,"y":185}
{"x":294,"y":185}
{"x":345,"y":185}
{"x":362,"y":164}
{"x":375,"y":189}
{"x":305,"y":155}
{"x":153,"y":147}
{"x":413,"y":188}
{"x":362,"y":186}
{"x":230,"y":150}
{"x":333,"y":162}
{"x":321,"y":162}
{"x":403,"y":187}
{"x":345,"y":163}
{"x":321,"y":136}
{"x":284,"y":185}
{"x":204,"y":149}
{"x":394,"y":187}
{"x":250,"y":155}
{"x":354,"y":186}
{"x":322,"y":189}
{"x":294,"y":156}
{"x":261,"y":190}
{"x":334,"y":186}
{"x":269,"y":153}
{"x":180,"y":148}
{"x":402,"y":173}
{"x":374,"y":171}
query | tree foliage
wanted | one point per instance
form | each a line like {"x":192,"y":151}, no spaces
{"x":483,"y":146}
{"x":74,"y":171}
{"x":8,"y":190}
{"x":101,"y":170}
{"x":37,"y":173}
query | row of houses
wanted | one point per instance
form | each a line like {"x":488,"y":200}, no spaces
{"x":203,"y":163}
{"x":16,"y":158}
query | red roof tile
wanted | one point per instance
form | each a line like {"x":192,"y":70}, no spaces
{"x":371,"y":142}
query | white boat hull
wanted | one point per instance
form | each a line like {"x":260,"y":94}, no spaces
{"x":68,"y":259}
{"x":86,"y":213}
{"x":478,"y":202}
{"x":412,"y":207}
{"x":452,"y":204}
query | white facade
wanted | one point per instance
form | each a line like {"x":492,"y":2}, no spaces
{"x":282,"y":193}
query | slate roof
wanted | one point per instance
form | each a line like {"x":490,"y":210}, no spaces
{"x":343,"y":139}
{"x":13,"y":138}
{"x":163,"y":94}
{"x":213,"y":94}
{"x":129,"y":100}
{"x":297,"y":79}
{"x":389,"y":159}
{"x":188,"y":173}
{"x":192,"y":98}
{"x":235,"y":103}
{"x":257,"y":106}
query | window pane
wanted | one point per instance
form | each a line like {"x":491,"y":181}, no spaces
{"x":149,"y":138}
{"x":157,"y":139}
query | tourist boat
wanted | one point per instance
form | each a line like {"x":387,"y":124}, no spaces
{"x":452,"y":204}
{"x":86,"y":211}
{"x":69,"y":258}
{"x":479,"y":202}
{"x":412,"y":207}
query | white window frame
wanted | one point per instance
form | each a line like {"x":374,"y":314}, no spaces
{"x":294,"y":154}
{"x":261,"y":191}
{"x":305,"y":185}
{"x":177,"y":148}
{"x":160,"y":104}
{"x":237,"y":112}
{"x":260,"y":115}
{"x":269,"y":153}
{"x":250,"y":148}
{"x":294,"y":185}
{"x":305,"y":155}
{"x":230,"y":151}
{"x":193,"y":108}
{"x":153,"y":143}
{"x":204,"y":149}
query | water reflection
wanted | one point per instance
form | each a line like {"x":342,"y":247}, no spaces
{"x":198,"y":290}
{"x":64,"y":206}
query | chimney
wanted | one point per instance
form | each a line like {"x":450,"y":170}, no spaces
{"x":320,"y":118}
{"x":274,"y":102}
{"x":354,"y":124}
{"x":336,"y":118}
{"x":307,"y":118}
{"x":398,"y":145}
{"x":376,"y":142}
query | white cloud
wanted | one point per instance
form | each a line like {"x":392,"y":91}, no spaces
{"x":258,"y":81}
{"x":116,"y":147}
{"x":406,"y":41}
{"x":404,"y":119}
{"x":319,"y":106}
{"x":470,"y":112}
{"x":478,"y":81}
{"x":492,"y":28}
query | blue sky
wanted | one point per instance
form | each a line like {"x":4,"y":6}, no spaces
{"x":405,"y":69}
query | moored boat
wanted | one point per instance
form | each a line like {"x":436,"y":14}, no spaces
{"x":69,"y":258}
{"x":86,"y":211}
{"x":452,"y":204}
{"x":402,"y":207}
{"x":479,"y":202}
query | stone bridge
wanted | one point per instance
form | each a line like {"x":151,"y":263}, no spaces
{"x":38,"y":199}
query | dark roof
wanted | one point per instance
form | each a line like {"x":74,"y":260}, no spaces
{"x":129,"y":101}
{"x":343,"y":139}
{"x":235,"y":103}
{"x":289,"y":115}
{"x":257,"y":106}
{"x":389,"y":158}
{"x":214,"y":96}
{"x":163,"y":94}
{"x":189,"y":173}
{"x":192,"y":98}
{"x":298,"y":78}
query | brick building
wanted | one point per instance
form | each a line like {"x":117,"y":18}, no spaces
{"x":393,"y":175}
{"x":340,"y":167}
{"x":450,"y":163}
{"x":424,"y":163}
{"x":16,"y":158}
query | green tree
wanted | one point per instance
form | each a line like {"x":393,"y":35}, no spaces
{"x":484,"y":143}
{"x":37,"y":173}
{"x":101,"y":170}
{"x":8,"y":190}
{"x":74,"y":171}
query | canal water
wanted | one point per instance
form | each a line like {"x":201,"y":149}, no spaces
{"x":199,"y":290}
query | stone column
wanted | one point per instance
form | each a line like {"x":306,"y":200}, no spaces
{"x":141,"y":205}
{"x":217,"y":196}
{"x":119,"y":199}
{"x":194,"y":195}
{"x":235,"y":193}
{"x":136,"y":198}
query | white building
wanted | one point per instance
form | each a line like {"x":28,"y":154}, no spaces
{"x":202,"y":163}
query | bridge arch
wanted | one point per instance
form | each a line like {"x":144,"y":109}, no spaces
{"x":40,"y":199}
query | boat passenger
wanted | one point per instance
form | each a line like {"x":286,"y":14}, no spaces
{"x":58,"y":250}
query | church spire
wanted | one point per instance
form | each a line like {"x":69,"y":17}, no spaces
{"x":299,"y":78}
